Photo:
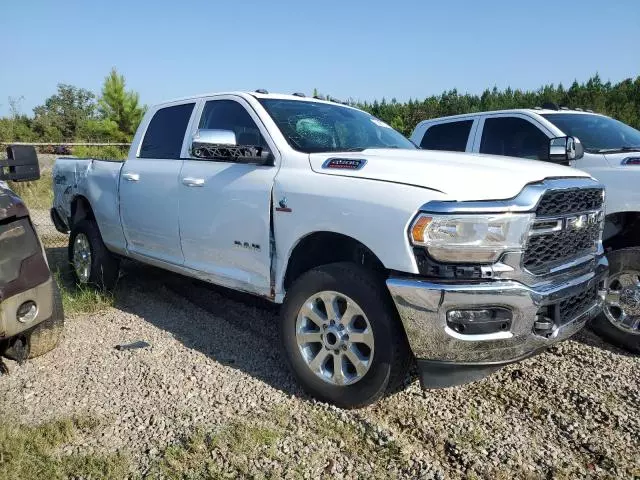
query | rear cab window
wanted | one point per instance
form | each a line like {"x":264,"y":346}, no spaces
{"x":166,"y":131}
{"x":452,"y":136}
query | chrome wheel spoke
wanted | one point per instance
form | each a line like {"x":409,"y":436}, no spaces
{"x":309,"y":311}
{"x":308,"y":337}
{"x":623,"y":318}
{"x":613,"y":298}
{"x":348,"y":315}
{"x":318,"y":361}
{"x":359,"y":364}
{"x":338,"y":374}
{"x":331,"y":305}
{"x":365,"y":337}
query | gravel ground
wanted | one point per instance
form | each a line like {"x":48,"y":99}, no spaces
{"x":214,"y":363}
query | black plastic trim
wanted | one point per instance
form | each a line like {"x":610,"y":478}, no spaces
{"x":443,"y":373}
{"x":58,"y":222}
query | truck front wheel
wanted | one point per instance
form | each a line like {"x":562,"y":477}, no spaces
{"x":342,"y":335}
{"x":619,"y":323}
{"x":91,"y":262}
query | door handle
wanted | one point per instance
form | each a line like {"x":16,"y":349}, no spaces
{"x":131,"y":177}
{"x":193,"y":182}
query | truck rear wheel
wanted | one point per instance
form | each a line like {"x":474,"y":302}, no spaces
{"x":619,"y":323}
{"x":44,"y":337}
{"x":342,"y":336}
{"x":91,"y":262}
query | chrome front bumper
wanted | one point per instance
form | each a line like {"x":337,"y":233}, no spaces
{"x":423,"y":308}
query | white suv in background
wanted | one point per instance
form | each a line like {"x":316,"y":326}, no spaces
{"x":605,"y":148}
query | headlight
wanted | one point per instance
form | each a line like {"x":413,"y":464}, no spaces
{"x":470,"y":238}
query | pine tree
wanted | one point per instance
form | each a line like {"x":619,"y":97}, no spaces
{"x":119,"y":105}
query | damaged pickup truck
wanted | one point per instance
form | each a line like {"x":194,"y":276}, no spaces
{"x":31,"y":315}
{"x":381,"y":253}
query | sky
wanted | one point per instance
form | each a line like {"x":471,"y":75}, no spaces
{"x":356,"y":49}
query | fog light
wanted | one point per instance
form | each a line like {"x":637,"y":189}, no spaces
{"x":479,"y":321}
{"x":27,"y":312}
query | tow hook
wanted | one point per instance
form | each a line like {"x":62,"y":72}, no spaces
{"x":543,"y":326}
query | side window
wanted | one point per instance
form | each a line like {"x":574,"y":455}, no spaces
{"x":230,"y":115}
{"x":451,"y":136}
{"x":514,"y":137}
{"x":165,"y":133}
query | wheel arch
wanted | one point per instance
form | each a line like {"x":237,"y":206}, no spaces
{"x":324,"y":247}
{"x":80,"y":209}
{"x":622,"y":230}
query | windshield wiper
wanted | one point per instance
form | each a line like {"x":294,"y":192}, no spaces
{"x":625,"y":148}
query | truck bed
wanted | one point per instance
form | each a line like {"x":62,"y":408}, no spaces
{"x":94,"y":179}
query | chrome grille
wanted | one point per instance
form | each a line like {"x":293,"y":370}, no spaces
{"x":561,"y":202}
{"x":573,"y":307}
{"x":568,"y":226}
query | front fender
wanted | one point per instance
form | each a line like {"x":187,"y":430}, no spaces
{"x":375,"y":213}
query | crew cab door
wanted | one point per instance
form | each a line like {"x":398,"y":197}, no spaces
{"x":513,"y":135}
{"x":454,"y":135}
{"x":225,"y":207}
{"x":149,"y":194}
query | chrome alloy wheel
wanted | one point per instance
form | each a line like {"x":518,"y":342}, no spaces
{"x":82,"y":257}
{"x":335,"y":338}
{"x":622,"y":302}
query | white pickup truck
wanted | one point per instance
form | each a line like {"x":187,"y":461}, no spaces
{"x":608,"y":150}
{"x":381,"y":253}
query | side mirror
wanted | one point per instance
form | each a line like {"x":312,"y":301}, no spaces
{"x":205,"y":138}
{"x":565,"y":149}
{"x":210,"y":144}
{"x":21,"y":164}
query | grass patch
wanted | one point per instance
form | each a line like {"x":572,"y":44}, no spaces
{"x":237,"y":445}
{"x":359,"y":443}
{"x":36,"y":195}
{"x":28,"y":453}
{"x":104,"y":152}
{"x":81,"y":300}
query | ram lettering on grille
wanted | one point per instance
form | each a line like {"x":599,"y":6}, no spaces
{"x":568,"y":226}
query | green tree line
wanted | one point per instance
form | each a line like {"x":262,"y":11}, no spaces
{"x":618,"y":100}
{"x":76,"y":114}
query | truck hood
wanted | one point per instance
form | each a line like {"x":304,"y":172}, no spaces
{"x":461,"y":176}
{"x":10,"y":203}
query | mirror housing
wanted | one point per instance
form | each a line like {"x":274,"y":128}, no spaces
{"x":21,"y":164}
{"x":206,"y":137}
{"x":565,"y":149}
{"x":209,"y":144}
